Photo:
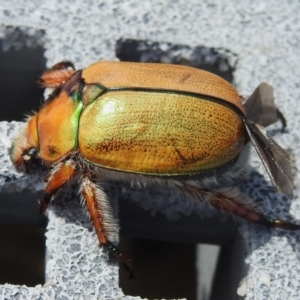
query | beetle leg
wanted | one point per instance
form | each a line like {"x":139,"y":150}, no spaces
{"x":101,"y":215}
{"x":127,"y":263}
{"x":56,"y":75}
{"x":232,"y":200}
{"x":58,"y":176}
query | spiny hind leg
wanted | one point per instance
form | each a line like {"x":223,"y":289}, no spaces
{"x":233,"y":201}
{"x":100,"y":212}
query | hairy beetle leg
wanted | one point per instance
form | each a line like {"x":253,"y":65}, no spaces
{"x":233,"y":201}
{"x":100,"y":212}
{"x":241,"y":210}
{"x":56,"y":75}
{"x":57,"y":177}
{"x":89,"y":195}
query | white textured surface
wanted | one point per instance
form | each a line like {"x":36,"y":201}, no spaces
{"x":265,"y":35}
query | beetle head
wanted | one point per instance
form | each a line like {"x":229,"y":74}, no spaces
{"x":24,"y":149}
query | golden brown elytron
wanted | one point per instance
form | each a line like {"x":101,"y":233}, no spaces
{"x":150,"y":124}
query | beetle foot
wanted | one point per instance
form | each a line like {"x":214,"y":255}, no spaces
{"x":279,"y":223}
{"x":127,"y":263}
{"x":282,"y":119}
{"x":42,"y":206}
{"x":44,"y":203}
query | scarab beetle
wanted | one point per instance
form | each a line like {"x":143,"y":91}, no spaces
{"x":150,"y":124}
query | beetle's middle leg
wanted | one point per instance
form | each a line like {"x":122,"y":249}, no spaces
{"x":58,"y":176}
{"x":99,"y":209}
{"x":232,"y":200}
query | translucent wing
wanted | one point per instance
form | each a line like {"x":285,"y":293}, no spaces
{"x":275,"y":159}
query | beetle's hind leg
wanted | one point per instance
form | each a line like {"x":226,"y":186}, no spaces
{"x":100,"y":211}
{"x":232,"y":200}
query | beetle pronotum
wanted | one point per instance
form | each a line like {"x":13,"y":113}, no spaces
{"x":170,"y":125}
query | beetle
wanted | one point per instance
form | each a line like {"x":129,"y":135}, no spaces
{"x":171,"y":125}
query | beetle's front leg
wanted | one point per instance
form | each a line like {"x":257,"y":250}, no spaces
{"x":99,"y":209}
{"x":233,"y":201}
{"x":58,"y":176}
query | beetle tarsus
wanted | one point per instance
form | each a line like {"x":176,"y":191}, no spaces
{"x":282,"y":119}
{"x":276,"y":223}
{"x":127,"y":263}
{"x":43,"y":204}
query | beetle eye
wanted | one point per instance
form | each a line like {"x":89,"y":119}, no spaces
{"x":32,"y":152}
{"x":31,"y":159}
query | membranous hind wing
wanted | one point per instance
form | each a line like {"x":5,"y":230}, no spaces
{"x":275,"y":159}
{"x":262,"y":112}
